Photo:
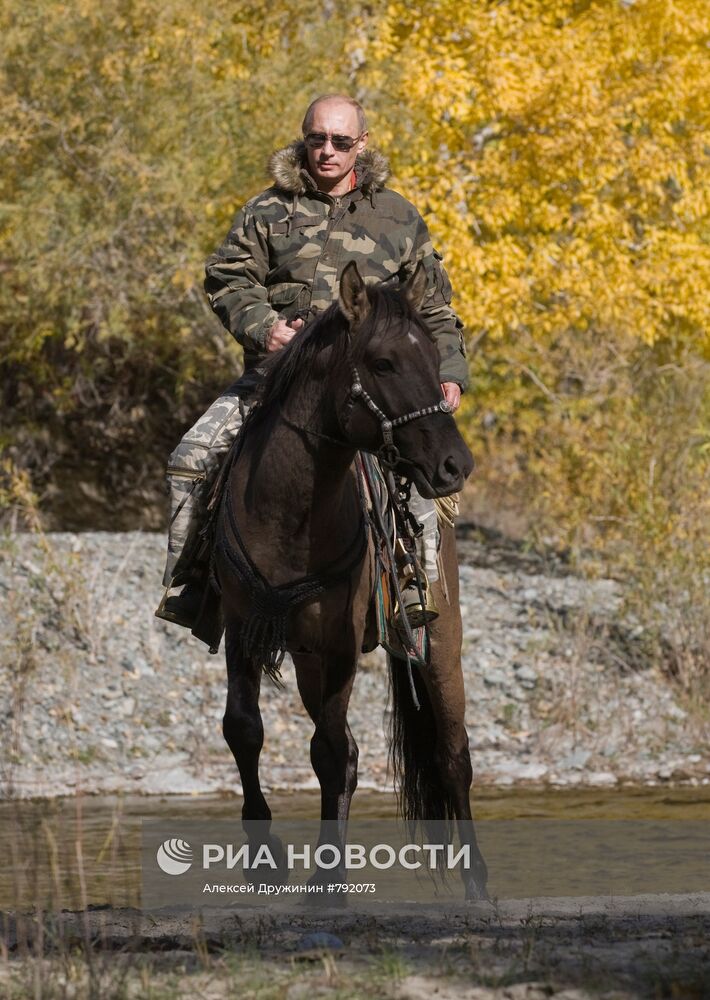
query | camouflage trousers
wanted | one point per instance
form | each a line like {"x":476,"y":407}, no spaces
{"x":191,"y":473}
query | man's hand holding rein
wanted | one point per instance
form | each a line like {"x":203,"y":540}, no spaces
{"x":452,"y":394}
{"x":281,"y":333}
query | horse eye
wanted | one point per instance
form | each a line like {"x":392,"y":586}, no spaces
{"x":382,"y":366}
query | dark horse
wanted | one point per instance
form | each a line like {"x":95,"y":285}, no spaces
{"x":292,"y":511}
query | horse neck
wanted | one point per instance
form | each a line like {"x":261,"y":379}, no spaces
{"x":295,"y":487}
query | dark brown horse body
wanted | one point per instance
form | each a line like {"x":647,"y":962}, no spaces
{"x":294,"y":497}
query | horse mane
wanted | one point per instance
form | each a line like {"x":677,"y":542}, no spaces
{"x":304,"y":356}
{"x":286,"y":368}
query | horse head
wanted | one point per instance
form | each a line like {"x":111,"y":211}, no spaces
{"x":394,"y":406}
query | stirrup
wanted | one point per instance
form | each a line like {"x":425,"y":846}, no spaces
{"x":183,"y":608}
{"x":418,"y":614}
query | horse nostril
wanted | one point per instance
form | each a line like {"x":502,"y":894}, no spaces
{"x":451,"y":466}
{"x":452,"y":469}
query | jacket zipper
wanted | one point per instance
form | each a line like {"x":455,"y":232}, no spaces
{"x":337,"y":201}
{"x":331,"y":216}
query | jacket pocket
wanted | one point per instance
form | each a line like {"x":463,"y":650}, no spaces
{"x":286,"y":295}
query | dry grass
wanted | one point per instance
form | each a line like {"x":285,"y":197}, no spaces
{"x":533,"y":958}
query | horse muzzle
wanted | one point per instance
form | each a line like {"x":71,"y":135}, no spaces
{"x":447,"y":477}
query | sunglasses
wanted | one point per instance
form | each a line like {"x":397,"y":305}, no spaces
{"x":342,"y":143}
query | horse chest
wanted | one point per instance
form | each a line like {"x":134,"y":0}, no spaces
{"x":332,"y":623}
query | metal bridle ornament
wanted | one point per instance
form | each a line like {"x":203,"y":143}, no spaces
{"x":388,"y":454}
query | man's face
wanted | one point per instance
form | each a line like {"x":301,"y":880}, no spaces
{"x":328,"y":166}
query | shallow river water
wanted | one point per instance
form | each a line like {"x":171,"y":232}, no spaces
{"x":66,"y":853}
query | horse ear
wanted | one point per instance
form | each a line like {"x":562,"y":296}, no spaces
{"x":353,"y":301}
{"x":416,"y":287}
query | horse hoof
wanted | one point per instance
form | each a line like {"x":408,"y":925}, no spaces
{"x":477,"y":893}
{"x":265,"y":873}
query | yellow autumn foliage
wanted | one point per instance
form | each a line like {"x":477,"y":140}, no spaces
{"x":560,"y":152}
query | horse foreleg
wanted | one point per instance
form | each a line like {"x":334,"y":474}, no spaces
{"x":334,"y":752}
{"x":334,"y":756}
{"x":244,"y":732}
{"x":242,"y":725}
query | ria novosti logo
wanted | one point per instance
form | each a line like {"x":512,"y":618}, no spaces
{"x":174,"y":856}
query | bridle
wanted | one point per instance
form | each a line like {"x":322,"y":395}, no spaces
{"x":388,"y":452}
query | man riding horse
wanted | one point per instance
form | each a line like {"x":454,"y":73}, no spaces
{"x":279,"y":266}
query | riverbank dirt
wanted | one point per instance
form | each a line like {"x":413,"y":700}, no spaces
{"x":526,"y":949}
{"x":96,"y":695}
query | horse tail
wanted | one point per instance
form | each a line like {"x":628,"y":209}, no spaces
{"x":412,"y":750}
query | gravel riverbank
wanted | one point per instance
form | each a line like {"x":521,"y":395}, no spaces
{"x":594,"y":948}
{"x":98,"y":695}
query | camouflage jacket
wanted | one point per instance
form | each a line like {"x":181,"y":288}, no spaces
{"x":288,"y":246}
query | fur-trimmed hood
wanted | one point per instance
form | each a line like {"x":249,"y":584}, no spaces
{"x":288,"y":168}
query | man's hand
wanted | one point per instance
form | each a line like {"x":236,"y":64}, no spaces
{"x":281,"y":332}
{"x":452,"y":394}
